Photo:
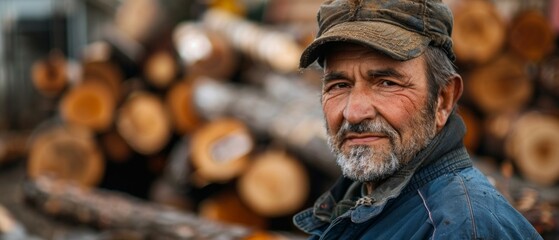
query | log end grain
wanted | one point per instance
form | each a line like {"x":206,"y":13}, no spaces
{"x":500,"y":86}
{"x":68,"y":153}
{"x":89,"y":104}
{"x":532,"y":145}
{"x":531,"y":35}
{"x":221,"y":148}
{"x":276,"y":184}
{"x":161,"y":68}
{"x":144,"y":123}
{"x":479,"y":31}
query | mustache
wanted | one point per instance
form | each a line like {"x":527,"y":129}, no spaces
{"x":368,"y":126}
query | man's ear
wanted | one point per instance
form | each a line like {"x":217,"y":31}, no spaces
{"x":447,"y":99}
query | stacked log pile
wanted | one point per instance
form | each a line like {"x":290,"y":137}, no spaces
{"x":212,"y":116}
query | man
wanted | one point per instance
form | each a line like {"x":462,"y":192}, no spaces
{"x":389,"y":94}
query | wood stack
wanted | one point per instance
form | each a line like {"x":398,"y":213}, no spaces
{"x":507,"y":54}
{"x":129,"y":115}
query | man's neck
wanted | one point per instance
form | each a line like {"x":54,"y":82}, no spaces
{"x":369,"y":187}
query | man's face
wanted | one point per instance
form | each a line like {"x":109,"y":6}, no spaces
{"x":376,"y":110}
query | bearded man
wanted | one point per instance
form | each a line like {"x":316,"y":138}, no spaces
{"x":389,"y":95}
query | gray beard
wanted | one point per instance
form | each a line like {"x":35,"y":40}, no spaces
{"x":364,"y":163}
{"x":359,"y":167}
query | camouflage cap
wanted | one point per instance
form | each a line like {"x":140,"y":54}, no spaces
{"x":402,"y":29}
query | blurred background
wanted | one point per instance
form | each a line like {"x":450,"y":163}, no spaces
{"x":173,"y":119}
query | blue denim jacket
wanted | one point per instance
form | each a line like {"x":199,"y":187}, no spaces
{"x":439,"y":195}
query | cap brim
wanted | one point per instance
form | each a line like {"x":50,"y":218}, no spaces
{"x":394,"y":41}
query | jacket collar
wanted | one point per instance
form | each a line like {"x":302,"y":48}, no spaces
{"x":446,"y":149}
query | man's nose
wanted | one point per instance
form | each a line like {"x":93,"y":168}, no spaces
{"x":359,"y":106}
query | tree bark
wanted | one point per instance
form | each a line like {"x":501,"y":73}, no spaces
{"x":278,"y":50}
{"x":110,"y":210}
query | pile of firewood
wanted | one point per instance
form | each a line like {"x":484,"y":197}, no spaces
{"x":507,"y":53}
{"x":221,"y":122}
{"x":127,"y":120}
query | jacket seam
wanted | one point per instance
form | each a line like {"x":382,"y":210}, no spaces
{"x":429,"y":213}
{"x":470,"y":208}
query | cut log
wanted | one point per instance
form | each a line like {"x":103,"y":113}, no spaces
{"x":66,"y":152}
{"x":161,"y":68}
{"x":276,"y":184}
{"x":532,"y":145}
{"x":531,"y":35}
{"x":220,"y":149}
{"x":227,"y":207}
{"x":300,"y":125}
{"x":106,"y":73}
{"x":204,"y":52}
{"x":181,"y":107}
{"x":273,"y":48}
{"x":479,"y":31}
{"x":50,"y":75}
{"x":500,"y":86}
{"x":90,"y":104}
{"x":144,"y":123}
{"x":115,"y":147}
{"x":111,"y":210}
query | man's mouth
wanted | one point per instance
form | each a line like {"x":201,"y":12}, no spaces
{"x":362,"y":138}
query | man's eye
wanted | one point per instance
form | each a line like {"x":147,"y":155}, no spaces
{"x":339,"y":85}
{"x":387,"y":83}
